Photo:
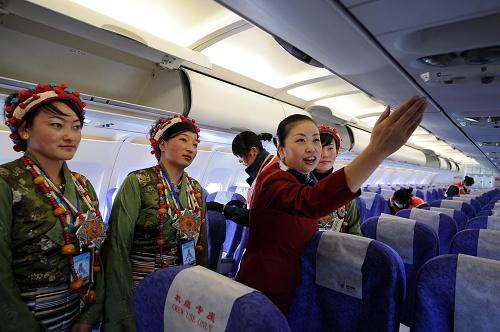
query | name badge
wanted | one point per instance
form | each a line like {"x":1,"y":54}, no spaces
{"x":188,"y":253}
{"x":83,"y":266}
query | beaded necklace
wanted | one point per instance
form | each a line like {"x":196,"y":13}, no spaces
{"x":170,"y":206}
{"x":56,"y":198}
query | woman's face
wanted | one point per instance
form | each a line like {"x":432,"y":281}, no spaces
{"x":180,"y":150}
{"x":249,"y":158}
{"x":328,"y":156}
{"x":53,"y":136}
{"x":302,"y":147}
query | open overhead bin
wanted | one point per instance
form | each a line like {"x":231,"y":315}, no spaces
{"x":405,"y":154}
{"x":80,"y":21}
{"x":218,"y":104}
{"x":444,"y":164}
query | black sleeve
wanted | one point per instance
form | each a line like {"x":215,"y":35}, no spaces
{"x":237,"y":214}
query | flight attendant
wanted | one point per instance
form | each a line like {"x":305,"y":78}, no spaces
{"x":346,"y":218}
{"x":50,"y":224}
{"x":158,"y":214}
{"x":287,"y":206}
{"x":404,"y":199}
{"x":247,"y":147}
{"x":461,"y":187}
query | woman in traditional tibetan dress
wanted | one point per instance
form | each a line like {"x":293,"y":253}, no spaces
{"x":287,"y":204}
{"x":346,"y":218}
{"x":157,"y":215}
{"x":50,"y":226}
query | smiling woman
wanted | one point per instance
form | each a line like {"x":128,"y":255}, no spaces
{"x":287,"y":206}
{"x":156,"y":211}
{"x":42,"y":206}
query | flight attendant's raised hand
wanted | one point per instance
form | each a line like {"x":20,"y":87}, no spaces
{"x":390,"y":133}
{"x":392,"y":130}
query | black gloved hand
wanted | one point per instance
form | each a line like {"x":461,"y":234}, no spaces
{"x":236,"y":202}
{"x":214,"y":206}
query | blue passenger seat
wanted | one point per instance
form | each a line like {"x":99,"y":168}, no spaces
{"x":349,"y":283}
{"x":415,"y":242}
{"x":447,"y":295}
{"x":232,"y":235}
{"x":444,"y":226}
{"x":455,"y":205}
{"x":477,"y":242}
{"x":484,"y":222}
{"x":196,"y":299}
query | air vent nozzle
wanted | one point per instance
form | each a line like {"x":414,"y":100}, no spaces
{"x":476,"y":56}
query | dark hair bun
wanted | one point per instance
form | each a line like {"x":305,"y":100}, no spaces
{"x":265,"y":137}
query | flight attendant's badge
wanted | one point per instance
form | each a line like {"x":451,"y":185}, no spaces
{"x":188,"y":224}
{"x":92,"y":231}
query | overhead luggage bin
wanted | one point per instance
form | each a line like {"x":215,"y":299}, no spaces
{"x":78,"y":20}
{"x":218,"y":104}
{"x":405,"y":154}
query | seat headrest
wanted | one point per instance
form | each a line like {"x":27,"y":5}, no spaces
{"x":198,"y":298}
{"x":455,"y":205}
{"x":397,"y":233}
{"x":369,"y":198}
{"x":430,"y":218}
{"x":386,"y":193}
{"x":493,"y":223}
{"x":223,"y":197}
{"x":448,"y":212}
{"x":339,"y":260}
{"x":462,"y":198}
{"x":477,"y":304}
{"x":488,"y":244}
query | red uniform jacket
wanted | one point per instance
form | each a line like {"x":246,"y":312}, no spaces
{"x":415,"y":203}
{"x":283,"y":218}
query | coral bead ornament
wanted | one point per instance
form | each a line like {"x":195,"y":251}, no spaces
{"x":68,"y":249}
{"x":77,"y":284}
{"x":170,"y":205}
{"x":69,"y":218}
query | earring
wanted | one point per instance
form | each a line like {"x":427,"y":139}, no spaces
{"x":26,"y":136}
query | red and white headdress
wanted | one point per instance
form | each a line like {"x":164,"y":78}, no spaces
{"x":325,"y":129}
{"x":28,"y":100}
{"x":167,"y":127}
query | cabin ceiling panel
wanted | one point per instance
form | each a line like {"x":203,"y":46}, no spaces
{"x":82,"y":70}
{"x":481,"y":135}
{"x":427,"y":28}
{"x":255,"y":54}
{"x":325,"y":88}
{"x":385,"y":16}
{"x":182,"y":22}
{"x":332,"y":40}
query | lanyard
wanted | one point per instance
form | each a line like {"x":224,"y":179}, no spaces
{"x":74,"y":212}
{"x":263,"y":164}
{"x":172,"y":190}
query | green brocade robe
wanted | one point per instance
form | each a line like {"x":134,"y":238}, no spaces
{"x":31,"y":238}
{"x":134,"y":226}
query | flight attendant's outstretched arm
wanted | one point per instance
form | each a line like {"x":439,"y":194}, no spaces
{"x":389,"y":134}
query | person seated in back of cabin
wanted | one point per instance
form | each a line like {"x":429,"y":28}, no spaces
{"x":404,"y":199}
{"x":460,"y":188}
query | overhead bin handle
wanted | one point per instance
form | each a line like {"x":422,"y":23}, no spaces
{"x":124,"y":33}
